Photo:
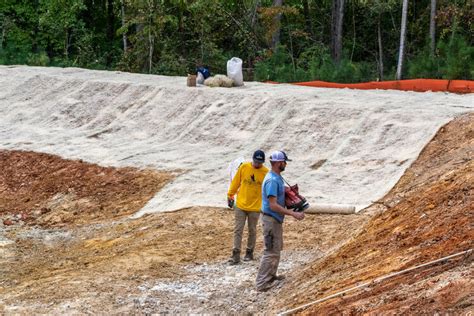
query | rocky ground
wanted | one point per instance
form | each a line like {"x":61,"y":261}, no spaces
{"x":68,"y":245}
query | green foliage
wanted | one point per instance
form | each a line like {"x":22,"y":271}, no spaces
{"x":172,"y":37}
{"x":171,"y":65}
{"x":39,"y":59}
{"x":454,"y":60}
{"x":277,"y":67}
{"x":424,"y":66}
{"x":457,"y":58}
{"x":60,"y":20}
{"x":313,"y":64}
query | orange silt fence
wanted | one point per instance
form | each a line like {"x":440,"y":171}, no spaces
{"x":419,"y":85}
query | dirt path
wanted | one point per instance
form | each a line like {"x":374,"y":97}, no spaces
{"x":173,"y":262}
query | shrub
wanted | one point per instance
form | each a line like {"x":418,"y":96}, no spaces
{"x":39,"y":59}
{"x":454,"y":60}
{"x":314,"y":63}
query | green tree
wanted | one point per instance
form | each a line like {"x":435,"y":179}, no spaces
{"x":60,"y":20}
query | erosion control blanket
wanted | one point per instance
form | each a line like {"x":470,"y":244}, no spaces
{"x":348,"y":146}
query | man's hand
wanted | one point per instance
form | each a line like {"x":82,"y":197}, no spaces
{"x":298,"y":215}
{"x":230,"y":202}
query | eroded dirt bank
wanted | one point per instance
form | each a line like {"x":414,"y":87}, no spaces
{"x":47,"y":190}
{"x":429,"y":214}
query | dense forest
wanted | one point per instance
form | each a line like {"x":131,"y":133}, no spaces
{"x":286,"y":41}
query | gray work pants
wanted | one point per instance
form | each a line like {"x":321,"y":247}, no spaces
{"x":273,"y":238}
{"x":241,"y":217}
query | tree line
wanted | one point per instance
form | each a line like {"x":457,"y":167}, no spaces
{"x":280,"y":40}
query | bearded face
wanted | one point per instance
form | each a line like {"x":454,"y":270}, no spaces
{"x":282,"y":166}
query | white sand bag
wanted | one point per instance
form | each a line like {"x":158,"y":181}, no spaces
{"x":219,"y":81}
{"x":234,"y":71}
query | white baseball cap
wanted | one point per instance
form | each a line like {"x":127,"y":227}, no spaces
{"x":279,"y":156}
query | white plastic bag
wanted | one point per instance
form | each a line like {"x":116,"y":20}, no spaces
{"x":200,"y":78}
{"x":234,"y":71}
{"x":233,"y":167}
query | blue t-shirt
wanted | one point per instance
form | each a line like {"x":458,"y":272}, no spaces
{"x":273,"y":185}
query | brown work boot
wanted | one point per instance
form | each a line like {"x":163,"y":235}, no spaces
{"x":248,"y":255}
{"x":235,"y":259}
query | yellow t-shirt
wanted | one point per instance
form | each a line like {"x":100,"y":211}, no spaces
{"x":247,"y":183}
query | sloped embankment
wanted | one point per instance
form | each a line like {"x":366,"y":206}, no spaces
{"x":429,"y":214}
{"x":366,"y":139}
{"x":47,"y":190}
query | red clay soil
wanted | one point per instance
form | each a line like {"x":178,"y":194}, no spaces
{"x":45,"y":189}
{"x":428,"y":215}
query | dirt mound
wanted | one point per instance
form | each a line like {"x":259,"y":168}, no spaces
{"x":45,"y":189}
{"x":428,"y":215}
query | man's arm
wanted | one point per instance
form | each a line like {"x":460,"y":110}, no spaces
{"x":284,"y":211}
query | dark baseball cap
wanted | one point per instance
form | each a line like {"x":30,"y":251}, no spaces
{"x":259,"y":156}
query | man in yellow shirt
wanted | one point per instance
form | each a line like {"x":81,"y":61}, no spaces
{"x":247,"y":184}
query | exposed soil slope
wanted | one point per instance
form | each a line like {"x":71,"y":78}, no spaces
{"x":429,"y":214}
{"x":45,"y":189}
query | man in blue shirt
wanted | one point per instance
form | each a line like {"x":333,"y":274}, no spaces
{"x":273,"y":214}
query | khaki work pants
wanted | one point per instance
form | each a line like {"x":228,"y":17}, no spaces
{"x":273,"y":238}
{"x":241,"y":217}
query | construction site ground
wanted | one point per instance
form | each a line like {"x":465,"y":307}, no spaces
{"x":69,"y":245}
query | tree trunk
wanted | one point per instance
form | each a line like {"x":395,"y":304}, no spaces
{"x":181,"y":31}
{"x":151,"y":38}
{"x":124,"y":34}
{"x":277,"y":19}
{"x":401,"y":51}
{"x":110,"y":28}
{"x":253,"y":19}
{"x":4,"y":32}
{"x":150,"y":53}
{"x":35,"y":29}
{"x":379,"y":36}
{"x":353,"y":29}
{"x":336,"y":29}
{"x":307,"y":17}
{"x":66,"y":45}
{"x":2,"y":38}
{"x":110,"y":21}
{"x":433,"y":27}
